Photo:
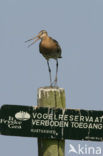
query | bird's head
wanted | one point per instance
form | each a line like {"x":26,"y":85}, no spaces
{"x":42,"y":34}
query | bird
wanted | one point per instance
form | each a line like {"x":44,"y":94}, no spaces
{"x":50,"y":49}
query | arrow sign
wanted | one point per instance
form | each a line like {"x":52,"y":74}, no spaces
{"x":28,"y":121}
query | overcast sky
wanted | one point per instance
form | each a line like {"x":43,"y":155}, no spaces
{"x":78,"y":27}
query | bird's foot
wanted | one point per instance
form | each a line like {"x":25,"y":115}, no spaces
{"x":54,"y":84}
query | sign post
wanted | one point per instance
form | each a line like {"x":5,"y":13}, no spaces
{"x":51,"y":97}
{"x":52,"y":124}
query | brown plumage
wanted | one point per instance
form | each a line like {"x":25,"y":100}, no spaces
{"x":50,"y":49}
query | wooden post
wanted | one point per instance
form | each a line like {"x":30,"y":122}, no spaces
{"x":51,"y":97}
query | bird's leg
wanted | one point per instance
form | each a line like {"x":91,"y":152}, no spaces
{"x":49,"y":72}
{"x":55,"y":81}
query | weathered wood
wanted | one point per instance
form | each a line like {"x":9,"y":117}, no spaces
{"x":51,"y":97}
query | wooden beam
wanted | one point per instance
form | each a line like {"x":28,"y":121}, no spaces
{"x":51,"y":97}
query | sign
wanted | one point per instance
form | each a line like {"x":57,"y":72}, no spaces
{"x":28,"y":121}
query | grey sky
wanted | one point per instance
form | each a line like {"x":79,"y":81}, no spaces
{"x":78,"y":27}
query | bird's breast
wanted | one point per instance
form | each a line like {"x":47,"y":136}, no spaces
{"x":49,"y":48}
{"x":48,"y":44}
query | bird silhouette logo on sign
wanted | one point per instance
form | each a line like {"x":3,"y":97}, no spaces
{"x":23,"y":116}
{"x":50,"y":49}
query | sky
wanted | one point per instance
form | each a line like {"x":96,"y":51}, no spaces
{"x":78,"y":27}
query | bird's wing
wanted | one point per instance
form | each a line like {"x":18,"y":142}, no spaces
{"x":58,"y":46}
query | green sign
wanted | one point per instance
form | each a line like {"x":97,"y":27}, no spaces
{"x":28,"y":121}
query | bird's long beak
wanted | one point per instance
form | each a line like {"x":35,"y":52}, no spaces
{"x":35,"y":40}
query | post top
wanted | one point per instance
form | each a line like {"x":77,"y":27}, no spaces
{"x":49,"y":88}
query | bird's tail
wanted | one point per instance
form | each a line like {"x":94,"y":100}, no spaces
{"x":60,"y":57}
